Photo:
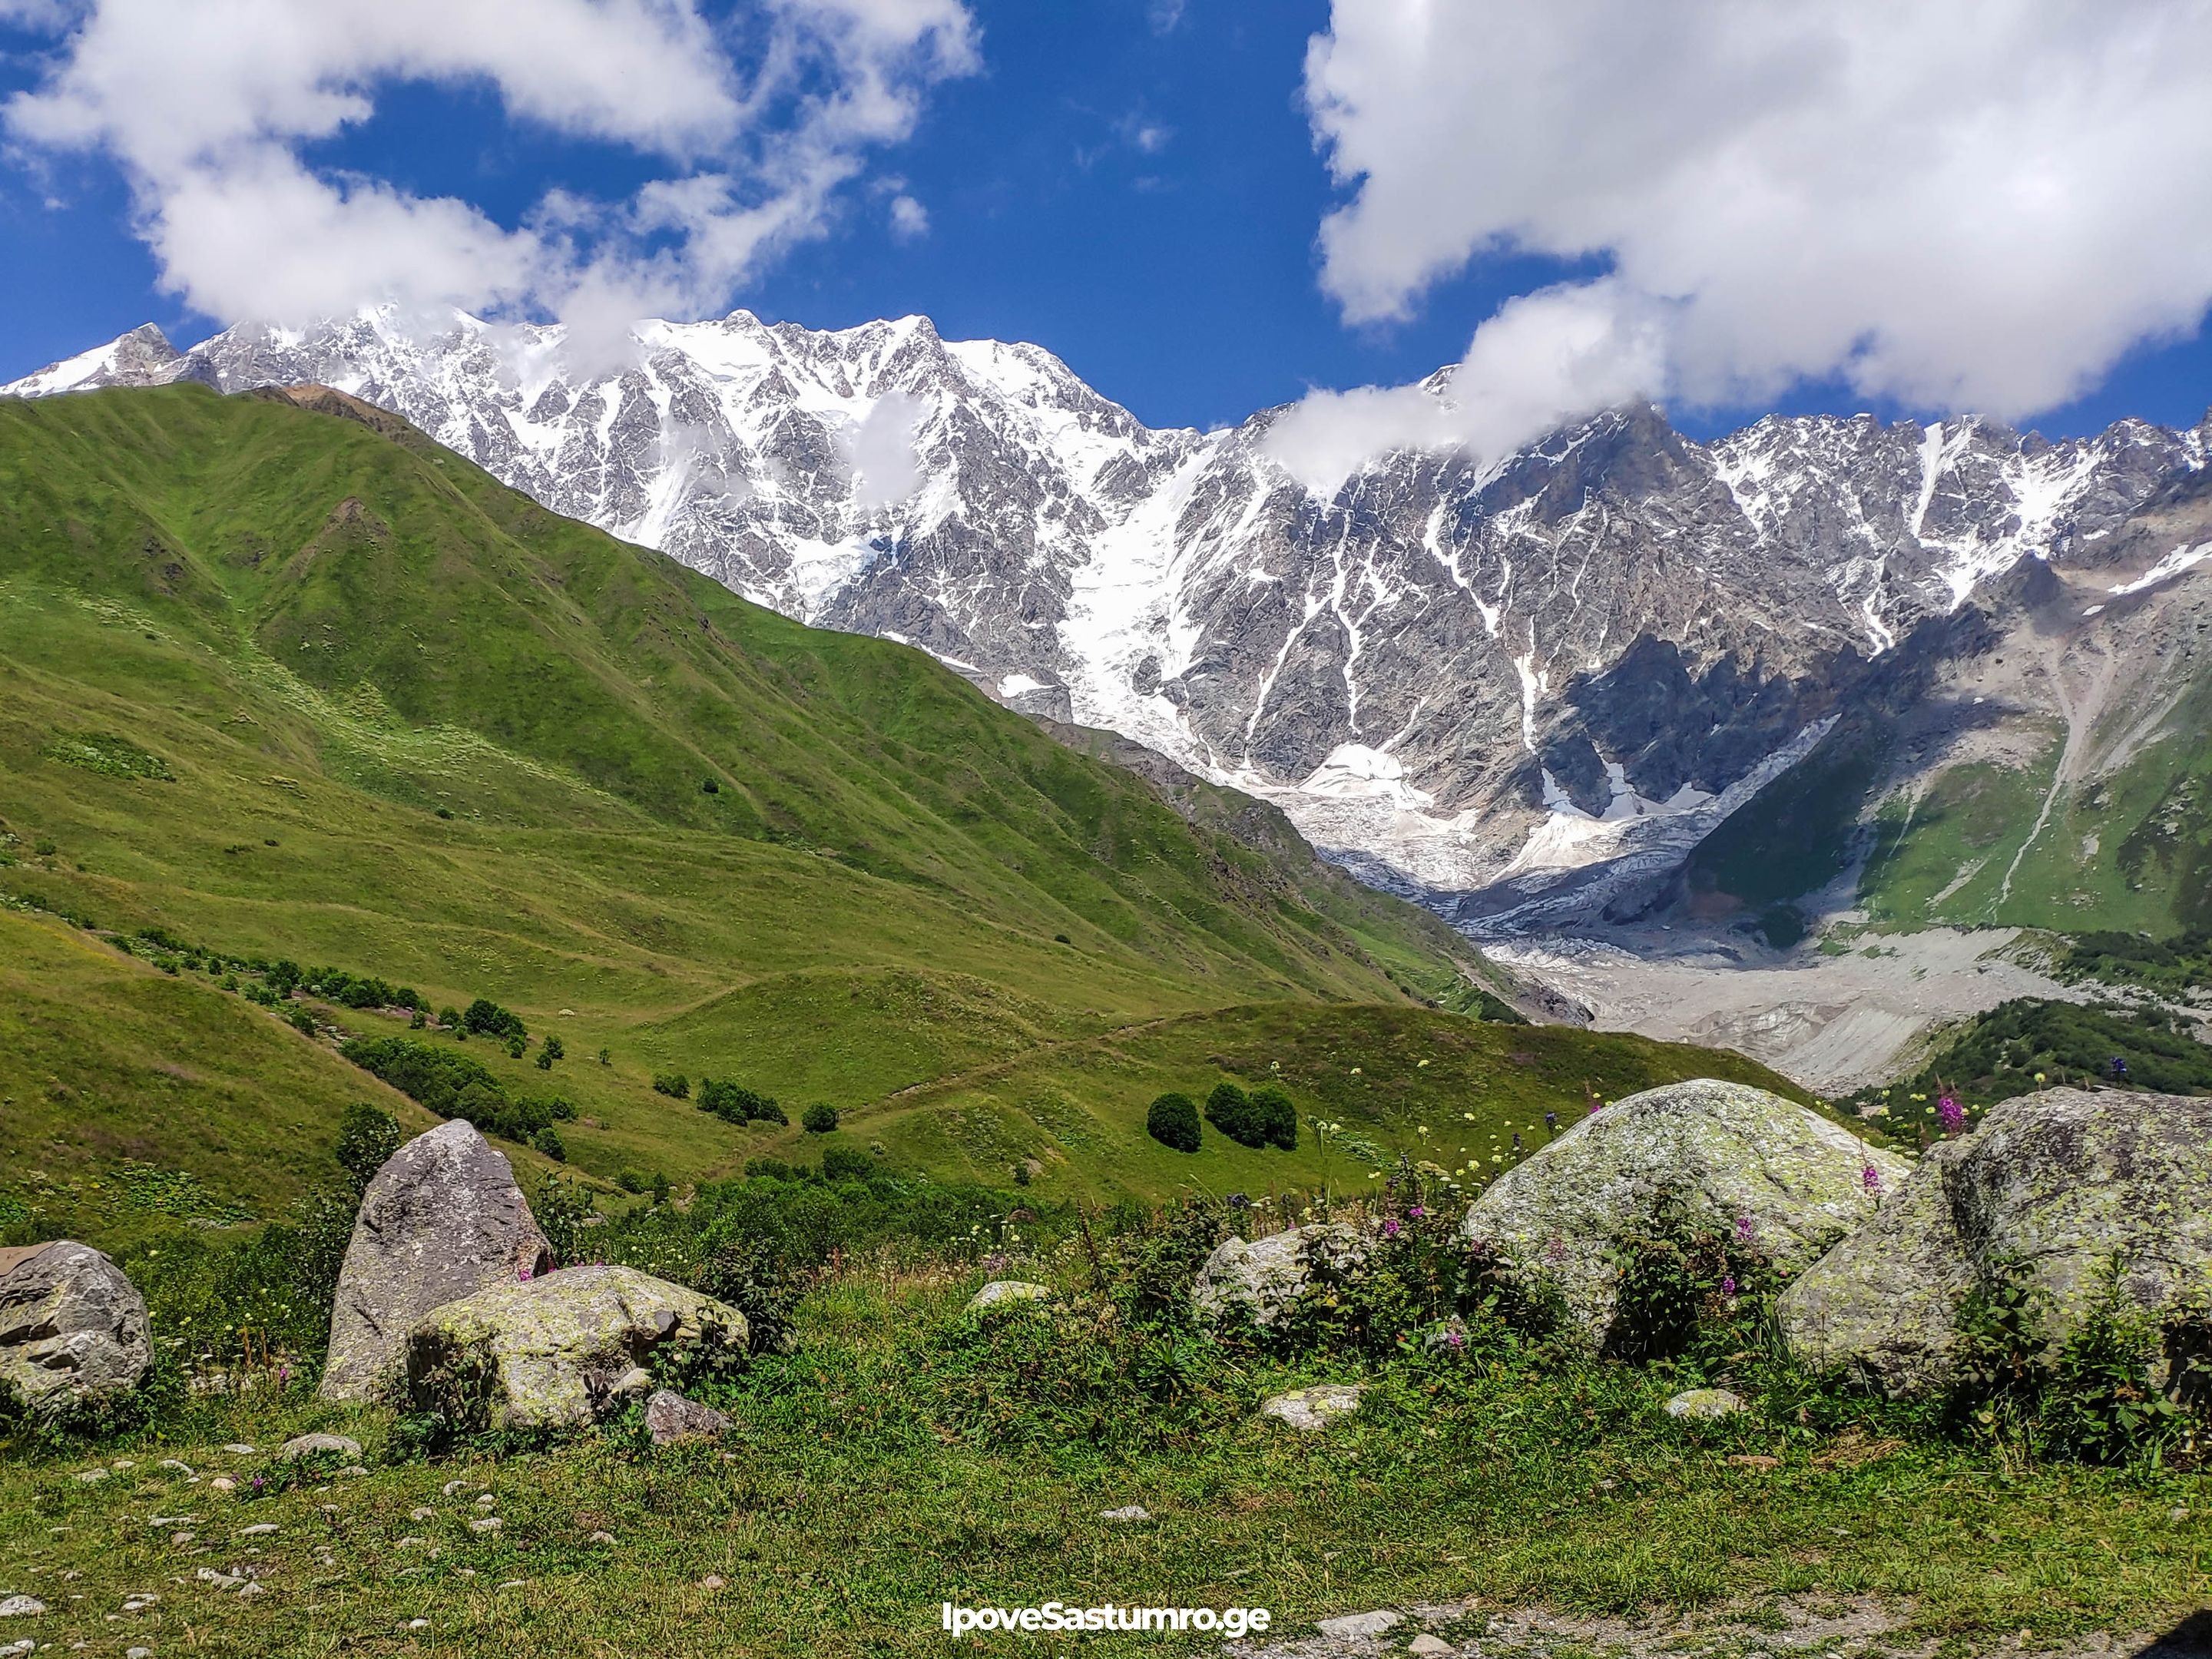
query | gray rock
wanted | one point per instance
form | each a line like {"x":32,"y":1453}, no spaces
{"x":2063,"y":1183}
{"x":669,"y":1418}
{"x":21,"y":1607}
{"x":1428,"y":1645}
{"x":441,"y":1221}
{"x":1264,"y":1276}
{"x":1704,"y":1403}
{"x":311,"y":1445}
{"x":546,"y":1353}
{"x":1126,"y":1512}
{"x":1734,"y":1155}
{"x":1313,"y":1408}
{"x":1352,"y":1626}
{"x":999,"y":1292}
{"x":71,"y":1325}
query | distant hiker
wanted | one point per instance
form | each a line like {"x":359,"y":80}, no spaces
{"x":2120,"y":1068}
{"x":1550,"y":1123}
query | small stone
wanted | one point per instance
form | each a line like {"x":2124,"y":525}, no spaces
{"x":315,"y":1445}
{"x":418,"y":1623}
{"x":452,"y":1487}
{"x":1352,"y":1626}
{"x":171,"y":1519}
{"x":222,"y":1483}
{"x":176,"y":1467}
{"x":90,"y":1475}
{"x":713,"y":1581}
{"x":485,"y":1500}
{"x":258,"y":1529}
{"x":21,"y":1607}
{"x":138,"y":1653}
{"x":1704,"y":1403}
{"x":669,"y":1418}
{"x":1755,"y":1461}
{"x":247,"y":1592}
{"x":1001,"y":1291}
{"x":1126,"y":1512}
{"x":485,"y":1523}
{"x":221,"y":1581}
{"x":509,"y":1583}
{"x":1427,"y":1644}
{"x":422,"y":1515}
{"x":635,"y":1380}
{"x":601,"y":1538}
{"x":2177,"y":1516}
{"x":1313,"y":1408}
{"x":412,"y":1542}
{"x":240,"y":1449}
{"x":123,"y":1463}
{"x":181,"y":1539}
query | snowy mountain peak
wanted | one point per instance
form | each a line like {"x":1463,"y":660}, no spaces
{"x":1460,"y":679}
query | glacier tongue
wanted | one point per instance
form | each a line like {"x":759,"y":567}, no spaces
{"x":1514,"y":689}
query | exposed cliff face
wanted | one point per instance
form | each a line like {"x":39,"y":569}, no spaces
{"x":1525,"y":692}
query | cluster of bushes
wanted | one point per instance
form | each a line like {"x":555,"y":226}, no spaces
{"x":454,"y":1085}
{"x":1266,"y":1116}
{"x":735,"y":1103}
{"x":2180,"y":964}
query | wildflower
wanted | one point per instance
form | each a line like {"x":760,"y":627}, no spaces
{"x":1871,"y":1178}
{"x":522,"y":1272}
{"x":1390,"y":1229}
{"x":1416,"y":1212}
{"x":1744,"y":1229}
{"x":1727,"y":1285}
{"x":1954,"y":1117}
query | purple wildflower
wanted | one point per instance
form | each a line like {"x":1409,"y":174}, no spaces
{"x":1727,"y":1285}
{"x":1953,"y":1115}
{"x":1416,"y":1212}
{"x":1454,"y":1339}
{"x":522,"y":1272}
{"x":1390,"y":1227}
{"x":1871,"y":1178}
{"x":1744,"y":1229}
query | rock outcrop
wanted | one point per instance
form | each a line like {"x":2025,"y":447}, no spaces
{"x":1001,"y":1291}
{"x":549,"y":1352}
{"x":1736,"y":1157}
{"x":441,"y":1221}
{"x":72,"y":1326}
{"x":2067,"y":1184}
{"x":1264,"y":1277}
{"x":669,"y":1418}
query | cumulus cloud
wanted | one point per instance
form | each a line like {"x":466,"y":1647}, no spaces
{"x":909,"y":219}
{"x":757,"y":120}
{"x":1982,"y":204}
{"x":882,"y":452}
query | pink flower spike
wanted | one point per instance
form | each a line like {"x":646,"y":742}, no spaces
{"x":1872,"y":1178}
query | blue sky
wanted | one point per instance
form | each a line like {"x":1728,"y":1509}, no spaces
{"x":1138,"y":189}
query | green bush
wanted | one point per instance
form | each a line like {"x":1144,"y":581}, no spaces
{"x":454,"y":1085}
{"x":548,"y":1141}
{"x":1678,"y":1276}
{"x":674,"y":1084}
{"x":1277,"y":1116}
{"x":735,"y":1103}
{"x":1173,"y":1121}
{"x":367,"y":1135}
{"x":487,"y":1018}
{"x":845,"y":1163}
{"x":1228,"y":1110}
{"x":819,"y":1119}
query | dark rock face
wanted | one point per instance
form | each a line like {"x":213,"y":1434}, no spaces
{"x":1523,"y":691}
{"x":669,"y":1418}
{"x":72,"y":1328}
{"x":441,"y":1221}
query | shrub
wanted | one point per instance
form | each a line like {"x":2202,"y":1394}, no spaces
{"x":1277,"y":1116}
{"x":819,"y":1119}
{"x":1228,"y":1110}
{"x":488,"y":1018}
{"x":845,"y":1163}
{"x":515,"y":1046}
{"x":548,"y":1141}
{"x":1676,"y":1276}
{"x":630,"y":1181}
{"x":367,"y":1135}
{"x":454,"y":1085}
{"x":674,"y":1084}
{"x":735,"y":1103}
{"x":450,"y":1019}
{"x":1173,"y":1121}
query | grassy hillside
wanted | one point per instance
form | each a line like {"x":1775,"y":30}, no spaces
{"x":292,"y":682}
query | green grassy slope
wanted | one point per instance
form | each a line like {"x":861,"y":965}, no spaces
{"x":296,"y":683}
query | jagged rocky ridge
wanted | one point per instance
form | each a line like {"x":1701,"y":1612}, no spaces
{"x":1523,"y":692}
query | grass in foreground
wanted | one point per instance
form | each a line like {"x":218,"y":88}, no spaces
{"x":870,"y":1479}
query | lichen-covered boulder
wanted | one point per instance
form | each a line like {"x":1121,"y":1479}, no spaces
{"x":1264,"y":1277}
{"x":442,"y":1219}
{"x":72,"y":1326}
{"x":549,"y":1352}
{"x":669,"y":1418}
{"x":2063,"y":1183}
{"x":1734,"y":1157}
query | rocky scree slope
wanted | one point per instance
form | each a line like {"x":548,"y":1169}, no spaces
{"x":1522,"y":692}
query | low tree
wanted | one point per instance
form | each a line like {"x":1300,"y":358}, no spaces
{"x":367,"y":1135}
{"x":674,"y":1084}
{"x":820,"y":1118}
{"x":1228,"y":1110}
{"x":1173,"y":1121}
{"x":1276,"y":1116}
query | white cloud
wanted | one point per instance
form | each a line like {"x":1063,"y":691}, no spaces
{"x":909,"y":219}
{"x":1978,"y":204}
{"x":757,"y":122}
{"x":881,"y":450}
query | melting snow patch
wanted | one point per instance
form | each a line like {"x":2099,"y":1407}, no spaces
{"x":2181,"y":559}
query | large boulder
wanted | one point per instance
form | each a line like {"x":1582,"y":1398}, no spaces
{"x":551,"y":1352}
{"x":441,"y":1221}
{"x":1264,"y":1277}
{"x":72,"y":1328}
{"x":1733,"y":1156}
{"x":2063,"y":1183}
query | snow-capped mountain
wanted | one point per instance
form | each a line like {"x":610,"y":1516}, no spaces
{"x":1518,"y":690}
